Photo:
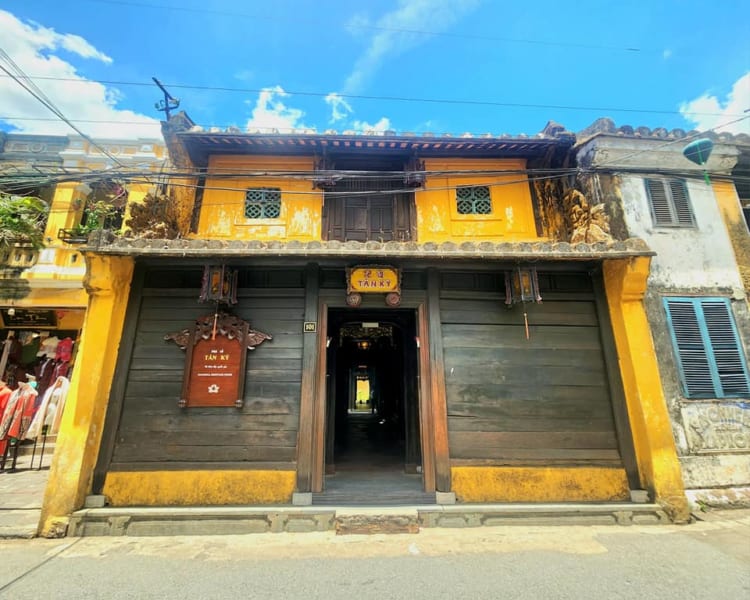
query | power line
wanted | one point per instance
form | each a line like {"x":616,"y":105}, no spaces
{"x":327,"y":23}
{"x":410,"y":99}
{"x":25,"y":82}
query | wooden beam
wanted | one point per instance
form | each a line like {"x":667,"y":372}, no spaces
{"x":319,"y":414}
{"x":309,"y":377}
{"x":119,"y":383}
{"x":617,"y":393}
{"x":437,"y":384}
{"x":426,"y":427}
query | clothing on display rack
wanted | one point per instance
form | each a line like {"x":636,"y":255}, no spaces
{"x":5,"y":393}
{"x":18,"y":412}
{"x":48,"y":416}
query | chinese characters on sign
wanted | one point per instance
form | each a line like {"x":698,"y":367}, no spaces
{"x":216,"y":347}
{"x":373,"y":279}
{"x":215,"y":372}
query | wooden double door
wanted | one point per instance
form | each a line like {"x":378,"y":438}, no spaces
{"x":369,"y":208}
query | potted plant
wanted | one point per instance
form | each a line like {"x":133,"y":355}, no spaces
{"x":22,"y":220}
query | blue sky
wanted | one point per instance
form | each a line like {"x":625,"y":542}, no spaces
{"x":441,"y":66}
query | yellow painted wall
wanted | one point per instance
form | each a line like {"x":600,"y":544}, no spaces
{"x":731,"y":211}
{"x":185,"y":488}
{"x":512,"y":215}
{"x":108,"y":284}
{"x":539,"y":484}
{"x":658,"y":466}
{"x":223,"y":206}
{"x":438,"y":220}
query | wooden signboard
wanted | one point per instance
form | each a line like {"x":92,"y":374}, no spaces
{"x":216,"y":373}
{"x":373,"y":279}
{"x":216,"y":349}
{"x":21,"y":317}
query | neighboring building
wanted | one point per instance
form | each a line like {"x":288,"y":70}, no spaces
{"x":42,"y":293}
{"x":696,"y":299}
{"x":416,"y":369}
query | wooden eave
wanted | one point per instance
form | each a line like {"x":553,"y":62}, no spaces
{"x":200,"y":145}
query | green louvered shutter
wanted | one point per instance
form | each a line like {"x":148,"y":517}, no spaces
{"x":709,"y":355}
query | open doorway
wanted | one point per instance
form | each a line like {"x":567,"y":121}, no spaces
{"x":372,"y":402}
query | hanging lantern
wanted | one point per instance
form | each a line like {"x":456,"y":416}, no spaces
{"x":219,"y":285}
{"x":521,"y":285}
{"x":699,"y":152}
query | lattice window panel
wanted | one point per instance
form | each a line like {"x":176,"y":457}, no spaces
{"x":473,"y":200}
{"x":263,"y":203}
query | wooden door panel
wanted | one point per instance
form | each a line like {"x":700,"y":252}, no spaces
{"x":379,"y":217}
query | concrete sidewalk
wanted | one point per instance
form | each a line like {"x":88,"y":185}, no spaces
{"x":21,"y":494}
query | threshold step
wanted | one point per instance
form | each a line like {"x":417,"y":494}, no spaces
{"x":235,"y":520}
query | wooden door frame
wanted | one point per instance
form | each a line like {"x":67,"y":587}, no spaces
{"x":429,"y":430}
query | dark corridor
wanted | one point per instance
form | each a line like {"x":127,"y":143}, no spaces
{"x":372,"y":400}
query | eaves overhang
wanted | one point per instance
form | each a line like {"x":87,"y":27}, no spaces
{"x":446,"y":251}
{"x":200,"y":145}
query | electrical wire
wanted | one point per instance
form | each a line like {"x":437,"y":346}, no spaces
{"x":138,"y":179}
{"x":26,"y":83}
{"x":410,"y":99}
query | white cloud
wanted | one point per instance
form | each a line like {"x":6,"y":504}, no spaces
{"x":721,"y":111}
{"x":340,"y":108}
{"x":34,"y":49}
{"x":270,"y":113}
{"x":397,"y":33}
{"x":382,"y":125}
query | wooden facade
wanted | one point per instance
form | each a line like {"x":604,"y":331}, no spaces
{"x":476,"y":393}
{"x":467,"y":396}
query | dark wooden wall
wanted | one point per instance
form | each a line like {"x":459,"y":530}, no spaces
{"x":153,"y":433}
{"x":512,"y":400}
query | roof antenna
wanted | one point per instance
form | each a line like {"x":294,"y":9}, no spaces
{"x":169,"y":103}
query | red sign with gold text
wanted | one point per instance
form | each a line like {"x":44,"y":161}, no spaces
{"x":215,"y":372}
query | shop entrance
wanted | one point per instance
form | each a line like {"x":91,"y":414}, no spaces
{"x":372,"y":402}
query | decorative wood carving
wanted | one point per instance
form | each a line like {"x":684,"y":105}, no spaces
{"x":590,"y":224}
{"x":414,"y":176}
{"x":216,"y":348}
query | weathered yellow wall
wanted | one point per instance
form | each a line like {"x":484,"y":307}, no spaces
{"x":731,"y":211}
{"x":108,"y":284}
{"x":539,"y":484}
{"x":223,"y":206}
{"x":512,"y":215}
{"x":438,"y":220}
{"x":65,"y":210}
{"x":658,"y":466}
{"x":184,"y":488}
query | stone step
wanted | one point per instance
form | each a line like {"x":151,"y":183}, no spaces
{"x":234,"y":520}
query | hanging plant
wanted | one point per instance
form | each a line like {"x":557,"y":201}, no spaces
{"x":22,"y":219}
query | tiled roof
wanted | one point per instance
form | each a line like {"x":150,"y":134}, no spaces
{"x":607,"y":126}
{"x":201,"y":248}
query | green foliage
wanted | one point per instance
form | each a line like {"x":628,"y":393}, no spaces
{"x":97,"y":214}
{"x":22,"y":219}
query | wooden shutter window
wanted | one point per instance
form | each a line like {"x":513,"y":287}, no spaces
{"x":709,"y":355}
{"x":681,"y":203}
{"x":670,"y":203}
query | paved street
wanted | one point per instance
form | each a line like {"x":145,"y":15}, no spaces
{"x":710,"y":559}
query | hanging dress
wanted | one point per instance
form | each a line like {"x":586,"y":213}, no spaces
{"x":52,"y":405}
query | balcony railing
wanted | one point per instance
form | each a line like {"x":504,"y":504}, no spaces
{"x":18,"y":255}
{"x":72,"y":236}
